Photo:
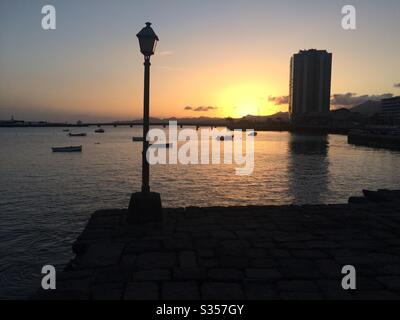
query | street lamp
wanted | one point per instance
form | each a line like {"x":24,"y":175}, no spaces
{"x":147,"y":40}
{"x":145,"y":205}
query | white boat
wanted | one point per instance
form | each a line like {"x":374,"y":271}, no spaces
{"x":77,"y":134}
{"x":162,"y":145}
{"x":67,"y":149}
{"x":225,"y":138}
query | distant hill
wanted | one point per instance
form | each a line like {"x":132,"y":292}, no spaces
{"x":284,"y":116}
{"x":280,"y":115}
{"x":368,"y":108}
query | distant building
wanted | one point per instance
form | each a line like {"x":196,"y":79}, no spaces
{"x":310,"y":83}
{"x":390,"y":112}
{"x":12,"y":123}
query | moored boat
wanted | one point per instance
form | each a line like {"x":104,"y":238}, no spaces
{"x":225,"y":138}
{"x":100,"y":130}
{"x":77,"y":134}
{"x":67,"y":149}
{"x":162,"y":145}
{"x":137,"y":139}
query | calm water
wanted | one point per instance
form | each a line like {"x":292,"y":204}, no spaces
{"x":46,"y":198}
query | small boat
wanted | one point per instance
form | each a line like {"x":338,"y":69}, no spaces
{"x":137,"y":139}
{"x":100,"y":130}
{"x":253,"y":134}
{"x":225,"y":138}
{"x":67,"y":149}
{"x":77,"y":134}
{"x":162,"y":145}
{"x":66,"y":130}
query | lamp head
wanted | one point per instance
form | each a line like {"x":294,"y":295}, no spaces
{"x":147,"y":40}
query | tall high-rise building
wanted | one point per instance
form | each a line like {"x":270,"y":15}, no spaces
{"x":310,"y":83}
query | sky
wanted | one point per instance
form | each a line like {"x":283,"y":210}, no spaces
{"x":215,"y":58}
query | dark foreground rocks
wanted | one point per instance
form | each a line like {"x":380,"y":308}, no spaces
{"x":266,"y":252}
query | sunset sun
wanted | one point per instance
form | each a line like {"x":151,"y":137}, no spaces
{"x":244,"y":99}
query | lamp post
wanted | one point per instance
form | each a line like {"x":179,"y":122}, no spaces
{"x":148,"y":42}
{"x":145,"y":205}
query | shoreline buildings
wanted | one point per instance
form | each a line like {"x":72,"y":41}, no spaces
{"x":390,"y":112}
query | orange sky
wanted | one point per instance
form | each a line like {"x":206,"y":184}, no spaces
{"x":224,"y":54}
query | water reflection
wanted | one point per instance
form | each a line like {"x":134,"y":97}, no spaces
{"x":308,"y":167}
{"x":60,"y":192}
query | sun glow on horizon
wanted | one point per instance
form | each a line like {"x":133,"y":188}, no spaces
{"x":245,"y":99}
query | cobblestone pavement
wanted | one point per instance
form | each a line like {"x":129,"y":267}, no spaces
{"x":266,"y":252}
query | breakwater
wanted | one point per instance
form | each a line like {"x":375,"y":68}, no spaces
{"x":374,"y":140}
{"x":252,"y":252}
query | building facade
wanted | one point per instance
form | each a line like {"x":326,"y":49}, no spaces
{"x":310,"y":83}
{"x":390,"y":112}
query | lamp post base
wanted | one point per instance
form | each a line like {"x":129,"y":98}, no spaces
{"x":145,"y":207}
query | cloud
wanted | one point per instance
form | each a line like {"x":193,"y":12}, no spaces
{"x":205,"y":109}
{"x":397,"y":85}
{"x":352,"y":99}
{"x":279,"y":100}
{"x":340,"y":100}
{"x":201,"y":108}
